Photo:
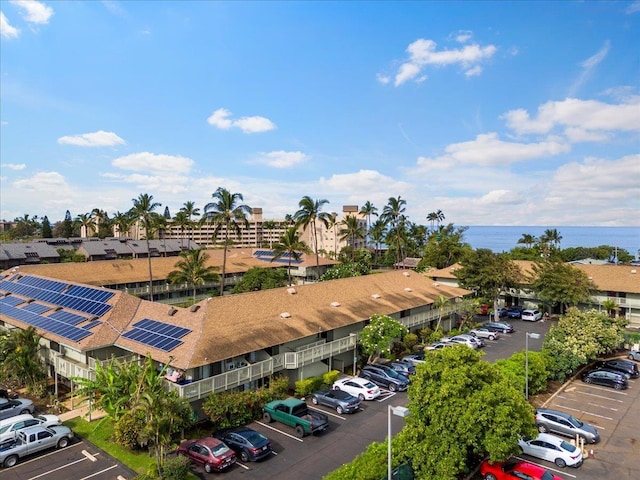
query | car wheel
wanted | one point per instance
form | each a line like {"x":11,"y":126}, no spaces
{"x":208,"y":468}
{"x":361,"y":397}
{"x":266,"y":417}
{"x":560,"y":462}
{"x":587,"y":380}
{"x":299,"y":431}
{"x":492,"y":337}
{"x":63,"y":442}
{"x":618,"y":386}
{"x":336,"y":388}
{"x":339,"y":410}
{"x":630,"y":357}
{"x":10,"y":461}
{"x":314,"y":400}
{"x":542,"y":428}
{"x":490,"y":476}
{"x":392,"y":387}
{"x":244,"y":456}
{"x":25,"y":411}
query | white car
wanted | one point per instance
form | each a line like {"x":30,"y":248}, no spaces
{"x":553,"y":449}
{"x":531,"y":315}
{"x":10,"y":426}
{"x":465,"y":341}
{"x":358,"y":387}
{"x":484,"y":332}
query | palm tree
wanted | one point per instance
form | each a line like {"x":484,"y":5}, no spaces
{"x":226,"y":213}
{"x":191,"y":211}
{"x":332,"y":224}
{"x":310,"y":212}
{"x":351,"y":232}
{"x":19,"y":359}
{"x":433,"y":218}
{"x":291,"y":246}
{"x":439,"y":217}
{"x":181,"y":221}
{"x":87,"y":224}
{"x":527,"y":239}
{"x":551,"y":235}
{"x":393,"y":215}
{"x":440,"y":303}
{"x":367,"y":210}
{"x":193,"y":270}
{"x":378,"y":232}
{"x":123,"y":222}
{"x":269,"y":226}
{"x":143,"y":210}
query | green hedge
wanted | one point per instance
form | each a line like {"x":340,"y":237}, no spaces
{"x":309,"y":385}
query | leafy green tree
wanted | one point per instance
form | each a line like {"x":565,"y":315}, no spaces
{"x":578,"y":338}
{"x":143,"y":211}
{"x":257,"y":278}
{"x":19,"y":359}
{"x":307,"y":216}
{"x":513,"y":368}
{"x":227,"y":214}
{"x":64,"y":229}
{"x":352,"y":231}
{"x":191,"y":211}
{"x":123,"y":222}
{"x":528,"y":240}
{"x":87,"y":224}
{"x":368,"y":210}
{"x":181,"y":220}
{"x":488,"y":274}
{"x":290,"y":246}
{"x":47,"y":232}
{"x":193,"y":270}
{"x":343,"y":270}
{"x":440,"y":302}
{"x":393,"y":215}
{"x":377,"y":234}
{"x":447,"y":430}
{"x":25,"y":227}
{"x":445,"y":247}
{"x":377,"y":337}
{"x":556,"y":282}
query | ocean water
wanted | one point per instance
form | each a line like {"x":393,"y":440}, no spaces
{"x":503,"y":239}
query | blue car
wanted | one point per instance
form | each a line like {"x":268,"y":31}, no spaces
{"x":248,"y":444}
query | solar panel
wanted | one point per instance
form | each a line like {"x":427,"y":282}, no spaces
{"x":43,"y":283}
{"x":67,"y":317}
{"x":11,"y":300}
{"x":91,"y":324}
{"x":89,"y":293}
{"x":56,"y":327}
{"x":160,"y":335}
{"x":162,"y":328}
{"x":36,"y":308}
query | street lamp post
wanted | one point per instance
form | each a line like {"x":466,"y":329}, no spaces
{"x":526,"y":362}
{"x":400,"y":412}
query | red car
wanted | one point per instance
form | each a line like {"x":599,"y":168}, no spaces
{"x":212,"y":454}
{"x":513,"y":469}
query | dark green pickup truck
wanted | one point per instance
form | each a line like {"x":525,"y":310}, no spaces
{"x":296,"y":414}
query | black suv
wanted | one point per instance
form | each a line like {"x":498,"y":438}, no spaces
{"x":605,"y":377}
{"x":385,"y":376}
{"x":630,"y":369}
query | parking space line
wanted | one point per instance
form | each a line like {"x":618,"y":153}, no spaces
{"x":60,"y":468}
{"x":600,"y":396}
{"x":280,"y":431}
{"x":246,"y":467}
{"x":563,"y":472}
{"x":387,"y":397}
{"x":98,"y":473}
{"x":590,"y":403}
{"x":326,"y":412}
{"x":53,"y":452}
{"x":584,"y":411}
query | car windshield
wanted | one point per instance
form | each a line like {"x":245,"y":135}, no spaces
{"x":547,"y":475}
{"x":392,"y":373}
{"x":575,"y":422}
{"x":220,"y":449}
{"x":369,"y":385}
{"x":568,"y":447}
{"x":254,"y":437}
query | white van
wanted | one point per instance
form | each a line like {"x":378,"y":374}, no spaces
{"x":10,"y":426}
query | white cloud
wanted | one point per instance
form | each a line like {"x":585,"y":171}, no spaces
{"x":14,"y":166}
{"x":489,"y":150}
{"x":114,"y":7}
{"x":473,"y":71}
{"x":633,"y":8}
{"x":42,"y":182}
{"x":34,"y":12}
{"x":423,"y":53}
{"x":154,"y":164}
{"x":588,"y":66}
{"x":94,"y":139}
{"x":281,"y":159}
{"x":501,"y":197}
{"x":357,"y":187}
{"x":256,"y":124}
{"x":383,"y":79}
{"x":6,"y":29}
{"x":572,"y":112}
{"x":463,"y":36}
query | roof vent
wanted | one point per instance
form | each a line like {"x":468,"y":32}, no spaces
{"x":194,"y":308}
{"x":406,"y":274}
{"x":291,"y":291}
{"x":285,"y":315}
{"x":436,"y":284}
{"x":335,"y":304}
{"x":633,"y":271}
{"x":408,"y":289}
{"x":375,"y":296}
{"x":172,"y":311}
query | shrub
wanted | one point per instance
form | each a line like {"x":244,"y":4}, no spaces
{"x":329,"y":377}
{"x":125,"y":430}
{"x":410,"y":340}
{"x":176,"y":468}
{"x":308,"y":386}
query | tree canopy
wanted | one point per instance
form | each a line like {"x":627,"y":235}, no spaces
{"x":257,"y":278}
{"x":559,"y":283}
{"x":377,"y":337}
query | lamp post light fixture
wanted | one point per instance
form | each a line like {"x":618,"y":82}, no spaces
{"x":400,"y":412}
{"x":526,"y":361}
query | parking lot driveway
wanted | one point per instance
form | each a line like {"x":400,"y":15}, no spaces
{"x":616,"y":416}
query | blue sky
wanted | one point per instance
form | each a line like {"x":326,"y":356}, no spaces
{"x":496,"y":113}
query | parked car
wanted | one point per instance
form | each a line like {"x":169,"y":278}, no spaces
{"x":358,"y":387}
{"x":339,"y":400}
{"x":472,"y":338}
{"x":502,"y":312}
{"x":10,"y":426}
{"x":10,"y":407}
{"x":34,"y":439}
{"x":531,"y":315}
{"x":634,"y":355}
{"x":439,"y":345}
{"x":552,"y":449}
{"x":606,"y":378}
{"x":549,"y":420}
{"x":512,"y":469}
{"x":247,"y":444}
{"x":403,"y":368}
{"x":296,"y":414}
{"x":515,"y":311}
{"x":484,"y":332}
{"x":502,"y":327}
{"x":630,"y":369}
{"x":384,"y":376}
{"x":465,"y":341}
{"x":414,"y":358}
{"x":210,"y":453}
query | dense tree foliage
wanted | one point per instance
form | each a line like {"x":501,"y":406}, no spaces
{"x":257,"y":278}
{"x":19,"y":360}
{"x":513,"y":368}
{"x":445,"y":246}
{"x":292,"y":247}
{"x":557,"y":283}
{"x":377,"y":337}
{"x":462,"y":409}
{"x":193,"y":270}
{"x":580,"y":337}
